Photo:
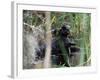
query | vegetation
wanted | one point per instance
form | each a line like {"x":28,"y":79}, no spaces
{"x":80,"y":28}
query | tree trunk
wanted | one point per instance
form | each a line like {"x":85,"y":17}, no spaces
{"x":47,"y":59}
